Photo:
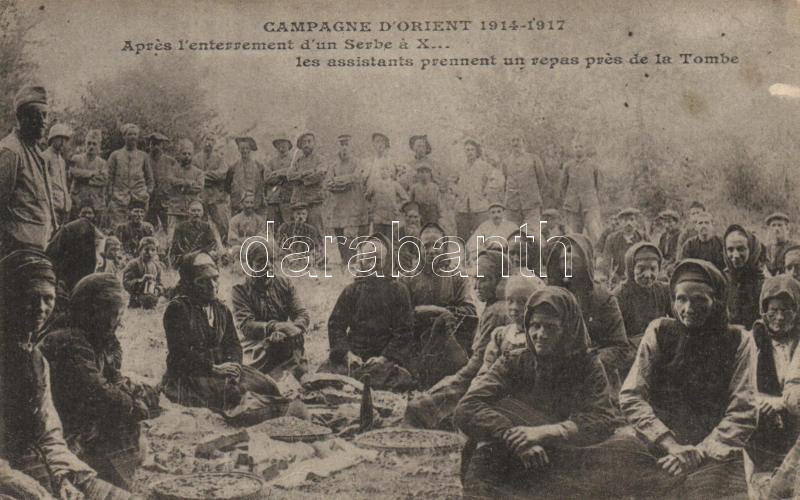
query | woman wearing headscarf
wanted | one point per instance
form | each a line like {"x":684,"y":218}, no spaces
{"x":600,"y":308}
{"x":434,"y":407}
{"x":31,"y":439}
{"x":776,"y":335}
{"x":690,"y":396}
{"x":743,"y":263}
{"x":535,"y":409}
{"x":642,"y":297}
{"x":99,"y":407}
{"x":73,"y":251}
{"x":204,"y":362}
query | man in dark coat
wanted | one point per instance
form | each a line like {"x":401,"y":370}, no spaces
{"x":132,"y":232}
{"x":690,"y":228}
{"x":642,"y":296}
{"x":271,"y":319}
{"x":705,"y":245}
{"x":620,"y":241}
{"x":193,"y":235}
{"x":778,"y":224}
{"x":668,"y":241}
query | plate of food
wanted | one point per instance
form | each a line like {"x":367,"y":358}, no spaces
{"x":411,"y":441}
{"x":293,"y":429}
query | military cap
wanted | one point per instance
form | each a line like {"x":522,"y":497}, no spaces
{"x":156,"y":137}
{"x":280,"y":139}
{"x":423,"y":167}
{"x":628,"y":211}
{"x":299,"y":205}
{"x":777,"y":216}
{"x":376,"y":135}
{"x":30,"y":94}
{"x":59,"y":130}
{"x":137,"y":204}
{"x":409,"y":206}
{"x":195,"y":202}
{"x":249,"y":141}
{"x":497,"y":204}
{"x":669,"y":214}
{"x":129,"y":126}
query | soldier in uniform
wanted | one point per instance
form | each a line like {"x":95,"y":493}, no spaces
{"x":186,"y":183}
{"x":215,"y":197}
{"x":345,"y":206}
{"x":525,"y":183}
{"x":472,"y":204}
{"x":162,"y":165}
{"x":246,"y":175}
{"x":580,"y":190}
{"x":90,"y":178}
{"x":778,"y":224}
{"x":278,"y":191}
{"x":306,"y":178}
{"x":57,"y":139}
{"x":131,"y":176}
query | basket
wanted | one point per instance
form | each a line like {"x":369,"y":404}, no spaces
{"x":210,"y":485}
{"x":411,"y":441}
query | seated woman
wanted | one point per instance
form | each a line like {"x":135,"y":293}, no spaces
{"x":690,"y":397}
{"x":642,"y":297}
{"x":535,"y":408}
{"x":142,"y":276}
{"x":743,"y":268}
{"x":776,"y":336}
{"x":371,"y":323}
{"x":31,"y":440}
{"x":73,"y":250}
{"x":271,"y":319}
{"x":204,"y":362}
{"x":100,"y":409}
{"x":434,"y":407}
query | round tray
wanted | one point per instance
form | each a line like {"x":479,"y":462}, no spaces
{"x":411,"y":441}
{"x":273,"y":429}
{"x":210,"y":485}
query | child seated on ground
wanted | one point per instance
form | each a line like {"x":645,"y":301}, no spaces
{"x":142,"y":276}
{"x":111,"y":259}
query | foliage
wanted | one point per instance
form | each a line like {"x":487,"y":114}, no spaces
{"x":16,"y":67}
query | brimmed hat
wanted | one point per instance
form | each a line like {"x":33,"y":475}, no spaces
{"x":697,"y":204}
{"x":249,"y":140}
{"x":30,"y":94}
{"x":776,"y":216}
{"x":59,"y":130}
{"x":414,"y":138}
{"x":156,"y":137}
{"x":382,"y":136}
{"x":629,"y":211}
{"x":279,"y":139}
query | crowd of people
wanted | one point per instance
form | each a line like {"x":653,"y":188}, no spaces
{"x":616,"y":361}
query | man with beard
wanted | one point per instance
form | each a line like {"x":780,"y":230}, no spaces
{"x":421,"y":147}
{"x":245,"y":224}
{"x":132,"y":232}
{"x":705,"y":245}
{"x":271,"y":319}
{"x":246,"y":175}
{"x":642,"y":298}
{"x":580,"y":191}
{"x":131,"y":175}
{"x":619,"y":242}
{"x":345,"y":206}
{"x":778,"y":224}
{"x":185,"y":185}
{"x":411,"y":226}
{"x":193,"y":235}
{"x":278,"y":191}
{"x":668,"y":241}
{"x":90,"y":178}
{"x":306,"y":178}
{"x":745,"y":277}
{"x":215,"y":198}
{"x":525,"y":183}
{"x":162,"y":165}
{"x":27,"y":213}
{"x":57,"y":139}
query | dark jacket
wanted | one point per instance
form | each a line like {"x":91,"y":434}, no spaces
{"x":712,"y":250}
{"x":744,"y":284}
{"x":600,"y":310}
{"x":615,"y":249}
{"x":639,"y":305}
{"x":668,"y":244}
{"x":192,"y":236}
{"x":372,"y":317}
{"x":134,"y":271}
{"x":130,"y":235}
{"x":450,"y":292}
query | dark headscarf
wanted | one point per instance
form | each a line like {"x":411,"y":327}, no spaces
{"x":73,"y":251}
{"x":780,"y":286}
{"x":18,"y":270}
{"x":630,"y":256}
{"x":95,"y":292}
{"x":189,"y":270}
{"x":752,"y":268}
{"x":574,"y":339}
{"x":703,"y":271}
{"x":581,"y":245}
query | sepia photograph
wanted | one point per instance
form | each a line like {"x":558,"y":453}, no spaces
{"x":353,"y":249}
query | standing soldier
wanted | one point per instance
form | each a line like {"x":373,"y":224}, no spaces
{"x":525,"y":183}
{"x":306,"y":178}
{"x":186,"y":184}
{"x":90,"y":178}
{"x":472,"y":203}
{"x":278,"y":192}
{"x":246,"y":175}
{"x":27,"y":215}
{"x":778,"y":224}
{"x":580,"y":189}
{"x":131,"y":176}
{"x":57,"y":140}
{"x":346,"y":207}
{"x":215,"y":197}
{"x":162,"y":165}
{"x":421,"y":147}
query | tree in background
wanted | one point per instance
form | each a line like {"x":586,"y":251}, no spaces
{"x":16,"y":67}
{"x":161,"y":95}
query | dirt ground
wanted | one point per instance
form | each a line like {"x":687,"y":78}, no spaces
{"x":386,"y":476}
